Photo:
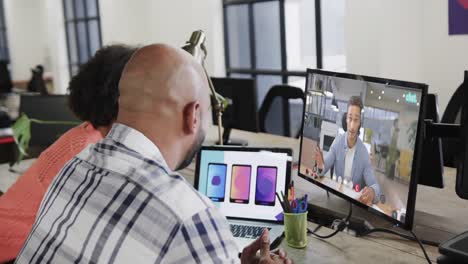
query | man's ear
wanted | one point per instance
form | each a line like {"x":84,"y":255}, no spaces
{"x":191,"y":117}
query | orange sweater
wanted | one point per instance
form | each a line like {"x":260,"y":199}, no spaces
{"x":19,"y":205}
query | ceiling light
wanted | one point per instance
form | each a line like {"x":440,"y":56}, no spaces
{"x":383,"y":92}
{"x":371,"y":92}
{"x":397,"y":100}
{"x":380,"y":97}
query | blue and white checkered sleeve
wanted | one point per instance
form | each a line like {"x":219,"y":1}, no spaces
{"x":203,"y":238}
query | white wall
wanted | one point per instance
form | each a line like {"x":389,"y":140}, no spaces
{"x":175,"y":20}
{"x":405,"y":40}
{"x":25,"y":33}
{"x":445,"y":57}
{"x":124,"y":21}
{"x":397,"y":39}
{"x":56,"y":44}
{"x":36,"y":33}
{"x":171,"y":22}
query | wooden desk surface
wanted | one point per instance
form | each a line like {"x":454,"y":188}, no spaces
{"x":440,"y":214}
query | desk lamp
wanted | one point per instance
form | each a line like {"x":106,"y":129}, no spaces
{"x":196,"y":46}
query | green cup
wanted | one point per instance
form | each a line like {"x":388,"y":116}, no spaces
{"x":295,"y":229}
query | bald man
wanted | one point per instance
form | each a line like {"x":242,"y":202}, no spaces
{"x":120,"y":201}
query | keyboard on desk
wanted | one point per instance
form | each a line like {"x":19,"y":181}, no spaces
{"x":246,"y":231}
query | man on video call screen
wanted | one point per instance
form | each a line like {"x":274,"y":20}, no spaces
{"x":349,"y":156}
{"x":359,"y":139}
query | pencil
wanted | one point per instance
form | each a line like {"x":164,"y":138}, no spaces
{"x":281,"y":203}
{"x":286,"y":203}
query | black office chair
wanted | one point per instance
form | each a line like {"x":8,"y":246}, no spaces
{"x":8,"y":149}
{"x":5,"y":78}
{"x":278,"y":115}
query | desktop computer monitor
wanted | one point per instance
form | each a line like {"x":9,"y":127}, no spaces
{"x":242,"y":110}
{"x":376,"y":150}
{"x":433,"y":170}
{"x":455,"y":146}
{"x":46,"y":108}
{"x":453,"y":115}
{"x":453,"y":129}
{"x":461,"y":187}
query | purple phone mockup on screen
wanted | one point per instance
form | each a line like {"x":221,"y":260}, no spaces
{"x":240,"y":183}
{"x":266,"y":185}
{"x":216,"y":182}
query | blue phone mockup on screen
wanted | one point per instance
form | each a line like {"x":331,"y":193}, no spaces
{"x":216,"y":183}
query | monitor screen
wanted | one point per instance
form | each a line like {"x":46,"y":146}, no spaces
{"x":242,"y":182}
{"x":360,"y":140}
{"x":241,"y":113}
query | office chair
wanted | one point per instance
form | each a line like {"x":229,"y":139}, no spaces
{"x":5,"y":78}
{"x":8,"y":150}
{"x":277,"y":111}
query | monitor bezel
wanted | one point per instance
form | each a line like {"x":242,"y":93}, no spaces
{"x":415,"y":168}
{"x":287,"y":151}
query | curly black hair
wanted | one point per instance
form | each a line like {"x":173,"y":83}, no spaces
{"x":94,"y":90}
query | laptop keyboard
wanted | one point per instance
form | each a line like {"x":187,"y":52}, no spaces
{"x":246,"y":231}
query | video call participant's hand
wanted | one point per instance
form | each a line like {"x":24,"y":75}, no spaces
{"x":249,"y":254}
{"x":367,"y":196}
{"x":319,"y":158}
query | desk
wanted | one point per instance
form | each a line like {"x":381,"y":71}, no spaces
{"x":440,"y":214}
{"x":348,"y":190}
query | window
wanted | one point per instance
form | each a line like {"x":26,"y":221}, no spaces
{"x":275,"y":41}
{"x":83,"y":30}
{"x":4,"y":52}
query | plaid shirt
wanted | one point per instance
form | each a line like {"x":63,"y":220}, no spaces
{"x":118,"y":202}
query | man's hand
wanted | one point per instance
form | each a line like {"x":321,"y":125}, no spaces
{"x":319,"y":158}
{"x":367,"y":196}
{"x":249,"y":254}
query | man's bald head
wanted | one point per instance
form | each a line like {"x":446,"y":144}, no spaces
{"x":160,"y":74}
{"x":164,"y":94}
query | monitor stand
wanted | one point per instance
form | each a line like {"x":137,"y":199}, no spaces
{"x":231,"y":142}
{"x":326,"y":217}
{"x":426,"y":226}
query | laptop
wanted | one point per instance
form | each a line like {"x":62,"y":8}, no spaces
{"x":242,"y":183}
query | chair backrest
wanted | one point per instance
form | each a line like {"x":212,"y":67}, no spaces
{"x":281,"y":111}
{"x":46,"y":108}
{"x":5,"y":78}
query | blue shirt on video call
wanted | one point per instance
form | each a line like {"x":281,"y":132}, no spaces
{"x":362,"y":171}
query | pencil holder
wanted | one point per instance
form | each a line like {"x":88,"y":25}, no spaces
{"x":295,"y":229}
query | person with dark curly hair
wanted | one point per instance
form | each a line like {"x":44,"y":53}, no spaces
{"x":94,"y":99}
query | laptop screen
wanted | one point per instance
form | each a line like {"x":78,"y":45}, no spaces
{"x":242,"y":182}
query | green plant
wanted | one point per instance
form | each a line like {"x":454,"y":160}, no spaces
{"x":22,"y":132}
